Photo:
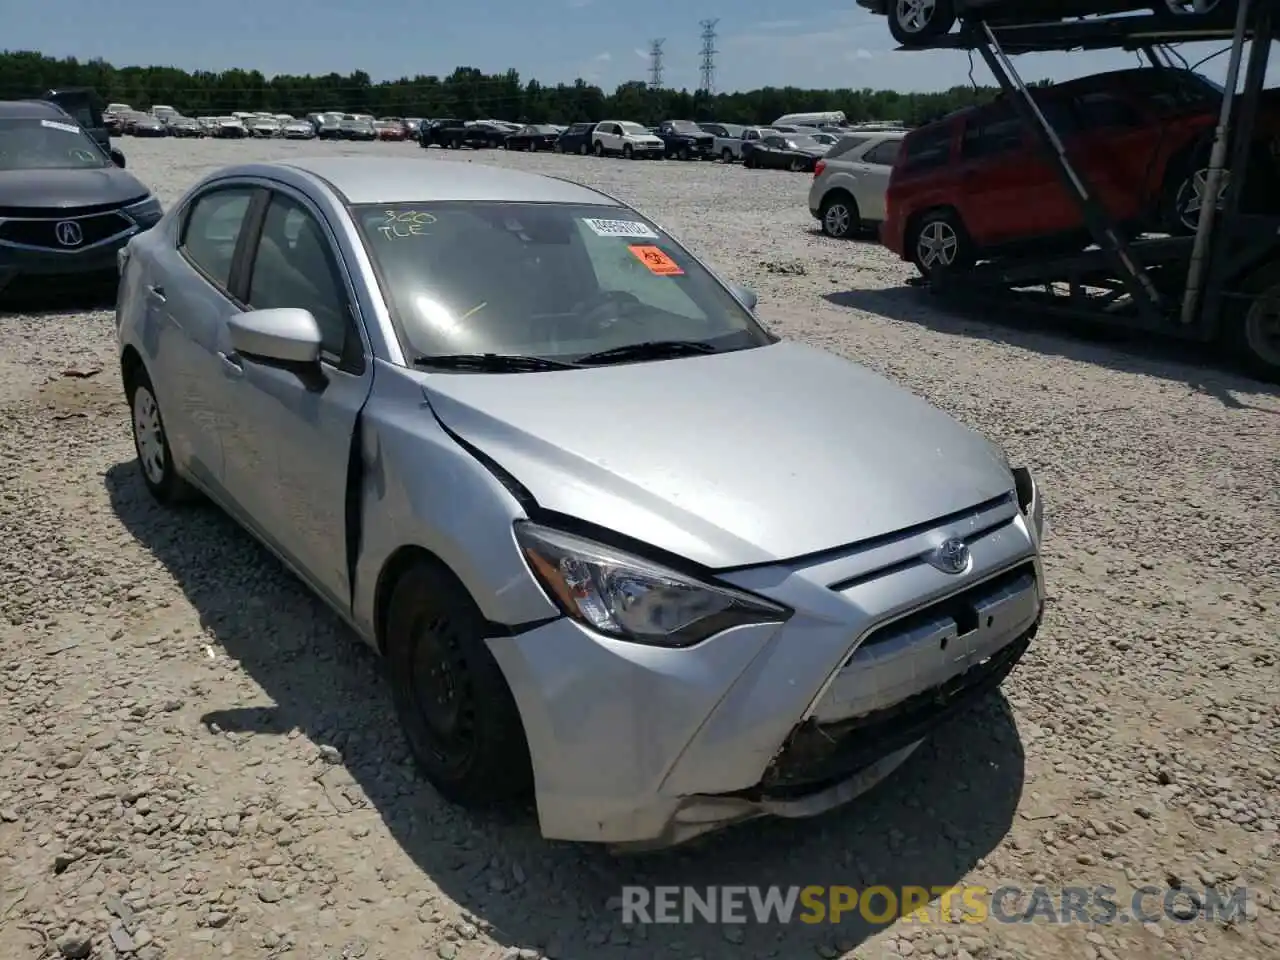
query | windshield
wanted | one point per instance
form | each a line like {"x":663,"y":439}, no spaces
{"x":539,"y":279}
{"x":803,"y":143}
{"x":684,"y":126}
{"x":32,"y":144}
{"x":633,"y":128}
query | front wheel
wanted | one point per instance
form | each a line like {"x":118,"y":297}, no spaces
{"x":627,"y":152}
{"x":582,"y":150}
{"x":599,"y":148}
{"x":797,"y":165}
{"x":939,"y":243}
{"x":533,"y":146}
{"x":916,"y":23}
{"x":454,"y":705}
{"x":726,"y":155}
{"x":155,"y":459}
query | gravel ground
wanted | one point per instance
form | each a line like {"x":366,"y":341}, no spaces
{"x":197,"y":761}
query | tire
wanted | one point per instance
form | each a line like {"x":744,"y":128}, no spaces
{"x":598,"y":148}
{"x":533,"y":146}
{"x":937,"y":227}
{"x":583,"y":150}
{"x":151,"y":443}
{"x":455,"y":143}
{"x":1251,"y":337}
{"x":748,"y":163}
{"x":839,"y":215}
{"x":797,"y":166}
{"x":627,"y":152}
{"x":453,"y":703}
{"x":932,"y":19}
{"x":684,"y":153}
{"x":726,"y":155}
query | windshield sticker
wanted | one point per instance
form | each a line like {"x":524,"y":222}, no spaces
{"x":657,"y":261}
{"x":59,"y":125}
{"x":409,"y":223}
{"x":620,"y":228}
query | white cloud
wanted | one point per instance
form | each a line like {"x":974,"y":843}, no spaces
{"x":862,"y":53}
{"x":579,"y":4}
{"x":603,"y":57}
{"x":642,"y":54}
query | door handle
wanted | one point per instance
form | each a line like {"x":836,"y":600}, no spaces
{"x":156,"y":291}
{"x":231,"y":365}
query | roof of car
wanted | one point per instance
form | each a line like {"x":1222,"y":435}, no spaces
{"x":391,"y":180}
{"x":30,"y":109}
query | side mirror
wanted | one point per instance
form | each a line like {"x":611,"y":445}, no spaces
{"x":285,"y":335}
{"x":117,"y":157}
{"x":746,"y":296}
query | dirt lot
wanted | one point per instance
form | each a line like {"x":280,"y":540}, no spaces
{"x":196,"y":760}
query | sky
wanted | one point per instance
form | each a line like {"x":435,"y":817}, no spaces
{"x":818,"y":43}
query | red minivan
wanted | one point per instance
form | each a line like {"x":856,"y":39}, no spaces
{"x":977,"y":184}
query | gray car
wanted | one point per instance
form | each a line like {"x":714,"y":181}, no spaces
{"x":66,"y":204}
{"x":621,"y":546}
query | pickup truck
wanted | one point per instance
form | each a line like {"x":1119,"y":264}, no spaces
{"x":730,"y":137}
{"x":685,"y":139}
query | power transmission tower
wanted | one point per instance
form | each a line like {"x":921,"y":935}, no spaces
{"x":655,"y":64}
{"x":709,"y":52}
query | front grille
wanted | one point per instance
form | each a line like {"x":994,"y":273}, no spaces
{"x":818,"y":756}
{"x":43,"y":233}
{"x":62,"y":213}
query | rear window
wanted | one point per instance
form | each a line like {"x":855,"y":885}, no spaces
{"x":927,"y":149}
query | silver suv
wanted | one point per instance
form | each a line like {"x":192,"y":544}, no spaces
{"x":850,"y":182}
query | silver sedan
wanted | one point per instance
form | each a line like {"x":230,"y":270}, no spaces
{"x":622,"y":547}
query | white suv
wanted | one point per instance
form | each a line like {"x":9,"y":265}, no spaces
{"x":850,"y":182}
{"x":630,"y":140}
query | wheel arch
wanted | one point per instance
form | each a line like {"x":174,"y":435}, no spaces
{"x":914,"y":221}
{"x":131,"y":364}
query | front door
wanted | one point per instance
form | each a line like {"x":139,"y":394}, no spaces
{"x":304,"y":422}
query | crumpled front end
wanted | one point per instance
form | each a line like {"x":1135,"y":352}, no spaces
{"x":639,"y":746}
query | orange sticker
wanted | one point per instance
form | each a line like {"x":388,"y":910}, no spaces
{"x":657,"y":261}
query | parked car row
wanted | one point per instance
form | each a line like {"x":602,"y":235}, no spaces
{"x":164,"y":121}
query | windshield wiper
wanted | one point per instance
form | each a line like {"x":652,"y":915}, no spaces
{"x":490,"y":362}
{"x":648,"y":350}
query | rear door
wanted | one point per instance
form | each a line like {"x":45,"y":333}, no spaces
{"x":190,"y":296}
{"x":872,"y":170}
{"x":999,"y":174}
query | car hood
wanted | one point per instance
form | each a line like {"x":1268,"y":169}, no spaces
{"x":740,"y":458}
{"x":68,"y":189}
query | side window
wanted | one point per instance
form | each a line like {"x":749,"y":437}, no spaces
{"x":844,"y":145}
{"x":1101,"y":110}
{"x":775,"y":141}
{"x":212,"y":230}
{"x":884,"y":153}
{"x":294,"y":266}
{"x":1060,"y":117}
{"x":992,"y":132}
{"x":929,"y":150}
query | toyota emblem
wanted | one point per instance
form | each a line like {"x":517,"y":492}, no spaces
{"x":69,"y":233}
{"x":951,"y":556}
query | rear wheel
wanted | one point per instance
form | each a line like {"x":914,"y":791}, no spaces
{"x":939,"y":242}
{"x":582,"y":150}
{"x":454,"y":705}
{"x":599,"y":148}
{"x":796,"y":165}
{"x":726,"y":155}
{"x":533,"y":146}
{"x":915,"y":23}
{"x":155,"y":459}
{"x":839,"y":214}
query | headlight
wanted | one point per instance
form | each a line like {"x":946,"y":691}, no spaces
{"x":626,"y":597}
{"x":148,"y":209}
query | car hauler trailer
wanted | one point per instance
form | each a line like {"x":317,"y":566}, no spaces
{"x":1220,"y":285}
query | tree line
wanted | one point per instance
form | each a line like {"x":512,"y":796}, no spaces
{"x":466,"y":93}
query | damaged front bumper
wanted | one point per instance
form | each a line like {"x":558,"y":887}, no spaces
{"x":644,"y":748}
